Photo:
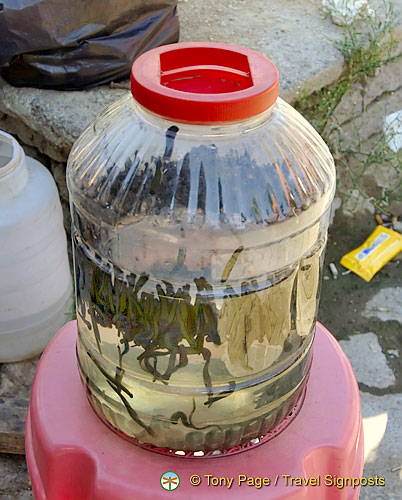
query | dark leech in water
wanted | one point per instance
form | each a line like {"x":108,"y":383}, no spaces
{"x":224,"y":394}
{"x":188,"y":421}
{"x":170,"y":137}
{"x":162,"y":165}
{"x":115,"y":381}
{"x":130,"y":410}
{"x":164,"y":323}
{"x":230,"y":264}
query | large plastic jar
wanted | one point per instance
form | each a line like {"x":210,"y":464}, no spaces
{"x":36,"y":296}
{"x":200,"y":206}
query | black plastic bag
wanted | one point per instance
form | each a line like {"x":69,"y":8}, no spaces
{"x":75,"y":44}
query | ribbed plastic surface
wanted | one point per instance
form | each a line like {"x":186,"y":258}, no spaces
{"x":198,"y":253}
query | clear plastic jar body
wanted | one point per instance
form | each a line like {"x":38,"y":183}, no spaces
{"x":198,"y":254}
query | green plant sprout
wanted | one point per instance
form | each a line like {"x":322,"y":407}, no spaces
{"x":367,"y":45}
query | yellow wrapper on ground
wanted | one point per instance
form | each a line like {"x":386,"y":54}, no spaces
{"x":379,"y":248}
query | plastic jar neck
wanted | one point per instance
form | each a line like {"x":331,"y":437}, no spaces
{"x":206,"y":129}
{"x":13,"y":169}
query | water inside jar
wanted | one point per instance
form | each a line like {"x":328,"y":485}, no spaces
{"x":194,"y":365}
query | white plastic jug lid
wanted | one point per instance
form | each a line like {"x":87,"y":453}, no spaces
{"x":11,"y":153}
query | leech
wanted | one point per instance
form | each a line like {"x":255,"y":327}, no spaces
{"x":212,"y":400}
{"x":109,"y":378}
{"x":119,"y":374}
{"x":87,"y":323}
{"x":188,"y":422}
{"x":130,"y":411}
{"x":95,"y":327}
{"x":181,"y":256}
{"x":120,"y":356}
{"x":230,"y":264}
{"x":206,"y":354}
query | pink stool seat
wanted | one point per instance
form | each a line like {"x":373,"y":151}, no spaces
{"x":72,"y":455}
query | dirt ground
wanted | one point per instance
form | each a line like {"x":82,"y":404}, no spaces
{"x":343,"y":300}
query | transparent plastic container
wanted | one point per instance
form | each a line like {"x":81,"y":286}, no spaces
{"x":200,"y":211}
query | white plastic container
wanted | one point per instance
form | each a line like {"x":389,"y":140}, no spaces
{"x":35,"y":279}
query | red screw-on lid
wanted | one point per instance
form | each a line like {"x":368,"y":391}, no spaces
{"x":204,"y":82}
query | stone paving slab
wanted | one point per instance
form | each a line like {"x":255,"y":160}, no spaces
{"x":385,"y":305}
{"x":14,"y":478}
{"x":383,"y":438}
{"x":52,"y":120}
{"x":381,"y":414}
{"x":368,"y":361}
{"x":15,"y":384}
{"x":353,"y":133}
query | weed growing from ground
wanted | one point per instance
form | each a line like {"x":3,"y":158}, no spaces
{"x":367,"y":45}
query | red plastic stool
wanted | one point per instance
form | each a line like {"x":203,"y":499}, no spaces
{"x":72,"y":455}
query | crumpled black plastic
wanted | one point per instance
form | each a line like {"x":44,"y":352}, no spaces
{"x":76,"y":44}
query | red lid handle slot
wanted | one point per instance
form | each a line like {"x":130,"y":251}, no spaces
{"x":205,"y":70}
